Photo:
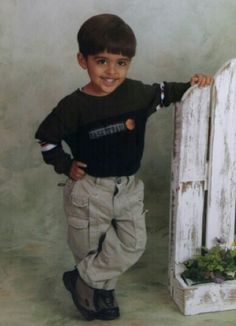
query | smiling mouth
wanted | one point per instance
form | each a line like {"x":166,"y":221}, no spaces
{"x":109,"y":81}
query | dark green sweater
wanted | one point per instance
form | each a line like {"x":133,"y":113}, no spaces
{"x":106,"y":133}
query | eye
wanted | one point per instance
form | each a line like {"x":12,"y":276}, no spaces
{"x":122,"y":63}
{"x":101,"y":61}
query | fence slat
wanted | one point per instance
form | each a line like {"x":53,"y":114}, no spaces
{"x":222,"y":172}
{"x":188,"y":172}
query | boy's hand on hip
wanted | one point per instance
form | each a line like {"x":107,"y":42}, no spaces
{"x":201,"y":80}
{"x":77,"y":170}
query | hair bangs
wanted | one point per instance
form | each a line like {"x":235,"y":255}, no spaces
{"x":106,"y":33}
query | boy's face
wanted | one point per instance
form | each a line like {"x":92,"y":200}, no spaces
{"x":107,"y":71}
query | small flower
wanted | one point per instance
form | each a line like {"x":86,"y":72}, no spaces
{"x":219,"y":279}
{"x":220,"y":241}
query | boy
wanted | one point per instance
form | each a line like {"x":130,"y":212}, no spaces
{"x":104,"y":125}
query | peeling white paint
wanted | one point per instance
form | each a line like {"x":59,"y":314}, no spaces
{"x":192,"y":175}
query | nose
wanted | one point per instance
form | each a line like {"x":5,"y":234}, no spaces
{"x":111,"y":69}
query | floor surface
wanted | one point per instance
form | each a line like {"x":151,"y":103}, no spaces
{"x":32,"y":293}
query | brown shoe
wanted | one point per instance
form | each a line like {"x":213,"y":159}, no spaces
{"x":82,"y":294}
{"x":91,"y":303}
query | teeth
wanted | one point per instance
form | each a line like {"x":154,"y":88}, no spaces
{"x":109,"y":80}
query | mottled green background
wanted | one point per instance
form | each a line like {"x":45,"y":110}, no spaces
{"x":176,"y":38}
{"x":38,"y":67}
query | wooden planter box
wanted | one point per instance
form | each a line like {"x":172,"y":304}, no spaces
{"x":202,"y":298}
{"x":203,"y":187}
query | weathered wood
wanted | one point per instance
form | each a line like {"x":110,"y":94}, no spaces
{"x":202,"y":298}
{"x":222,"y":172}
{"x":203,"y":160}
{"x":188,"y":172}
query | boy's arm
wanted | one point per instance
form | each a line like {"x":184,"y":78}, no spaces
{"x":50,"y":134}
{"x":173,"y":92}
{"x":62,"y":162}
{"x":54,"y":154}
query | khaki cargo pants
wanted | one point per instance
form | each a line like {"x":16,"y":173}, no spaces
{"x":106,"y":226}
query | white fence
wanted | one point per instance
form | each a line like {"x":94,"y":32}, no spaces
{"x":203,"y":187}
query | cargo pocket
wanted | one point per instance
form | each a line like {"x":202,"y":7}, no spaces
{"x":78,"y":237}
{"x":77,"y":211}
{"x":140,"y":230}
{"x":136,"y":215}
{"x":83,"y":233}
{"x":134,"y":199}
{"x":80,"y":206}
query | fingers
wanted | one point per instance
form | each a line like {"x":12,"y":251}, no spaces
{"x":194,"y":80}
{"x":77,"y":170}
{"x":81,"y":164}
{"x":201,"y":80}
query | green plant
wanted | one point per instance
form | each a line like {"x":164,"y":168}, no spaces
{"x":212,"y":265}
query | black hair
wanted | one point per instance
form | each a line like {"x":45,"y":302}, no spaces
{"x":106,"y":32}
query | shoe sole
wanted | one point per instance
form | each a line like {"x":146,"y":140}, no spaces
{"x":88,"y":315}
{"x":109,"y":315}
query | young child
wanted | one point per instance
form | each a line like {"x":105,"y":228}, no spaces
{"x":103,"y":124}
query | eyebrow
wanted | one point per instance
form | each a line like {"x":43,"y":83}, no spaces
{"x":104,"y":57}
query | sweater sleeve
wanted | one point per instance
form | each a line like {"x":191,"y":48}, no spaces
{"x":167,"y":93}
{"x":50,"y":135}
{"x":173,"y":92}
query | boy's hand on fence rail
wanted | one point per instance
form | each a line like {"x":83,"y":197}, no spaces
{"x":201,"y":80}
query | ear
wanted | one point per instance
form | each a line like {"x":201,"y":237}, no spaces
{"x":81,"y":60}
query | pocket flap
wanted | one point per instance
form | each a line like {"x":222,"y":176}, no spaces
{"x":80,"y":201}
{"x":77,"y":223}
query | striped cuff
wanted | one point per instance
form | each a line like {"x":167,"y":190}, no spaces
{"x":45,"y":147}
